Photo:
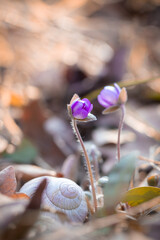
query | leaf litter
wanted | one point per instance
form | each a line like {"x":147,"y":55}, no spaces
{"x":50,"y":50}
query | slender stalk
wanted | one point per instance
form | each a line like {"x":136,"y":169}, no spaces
{"x":88,"y":163}
{"x":149,"y":160}
{"x":119,"y":130}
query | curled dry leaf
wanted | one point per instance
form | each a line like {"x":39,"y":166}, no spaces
{"x":26,"y":172}
{"x":19,"y":196}
{"x":8,"y":181}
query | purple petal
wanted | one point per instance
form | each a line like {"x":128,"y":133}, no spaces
{"x":87,"y":104}
{"x":104,"y":97}
{"x":76,"y":106}
{"x":102,"y":102}
{"x":91,"y":107}
{"x":109,"y":95}
{"x":81,"y":108}
{"x":118,"y":89}
{"x":111,"y":89}
{"x":81,"y":114}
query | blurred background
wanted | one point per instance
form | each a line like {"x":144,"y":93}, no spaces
{"x":50,"y":50}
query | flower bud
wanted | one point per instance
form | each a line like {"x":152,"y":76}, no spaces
{"x":80,"y":109}
{"x":109,"y":96}
{"x":112,"y":97}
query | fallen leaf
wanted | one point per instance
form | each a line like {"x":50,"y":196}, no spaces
{"x":27,"y":171}
{"x":9,"y":212}
{"x":24,"y":216}
{"x":140,"y":195}
{"x":8,"y":181}
{"x":33,"y":125}
{"x":19,"y":196}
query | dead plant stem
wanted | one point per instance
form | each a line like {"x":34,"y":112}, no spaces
{"x":149,"y":160}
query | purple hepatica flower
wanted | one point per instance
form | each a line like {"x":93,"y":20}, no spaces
{"x":81,"y":108}
{"x":109,"y":96}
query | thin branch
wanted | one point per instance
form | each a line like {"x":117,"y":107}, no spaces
{"x":149,"y":160}
{"x":126,"y":83}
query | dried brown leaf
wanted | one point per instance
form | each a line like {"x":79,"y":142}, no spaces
{"x":8,"y":181}
{"x":33,"y":125}
{"x":27,"y":171}
{"x":25,"y":217}
{"x":19,"y":196}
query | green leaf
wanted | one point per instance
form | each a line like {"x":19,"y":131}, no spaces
{"x":140,"y":195}
{"x":119,"y":179}
{"x":25,"y":153}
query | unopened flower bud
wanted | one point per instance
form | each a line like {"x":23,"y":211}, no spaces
{"x":112,"y":97}
{"x":80,"y":109}
{"x":109,"y":96}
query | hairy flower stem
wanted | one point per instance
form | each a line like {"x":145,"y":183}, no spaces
{"x":88,"y":163}
{"x":119,"y":130}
